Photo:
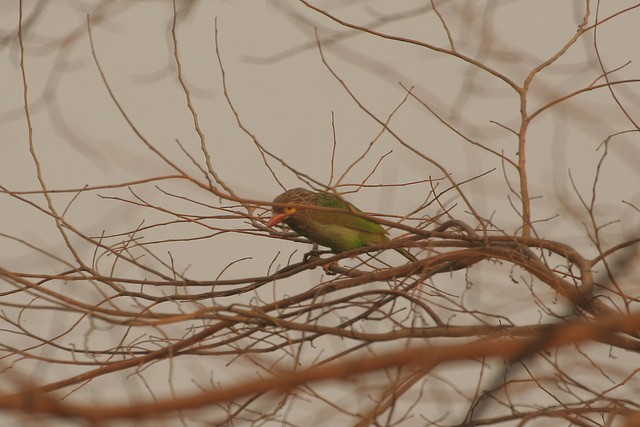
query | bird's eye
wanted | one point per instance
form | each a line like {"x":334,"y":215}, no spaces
{"x":290,"y":210}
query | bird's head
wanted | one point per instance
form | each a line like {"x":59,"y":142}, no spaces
{"x":280,"y":214}
{"x":297,"y":196}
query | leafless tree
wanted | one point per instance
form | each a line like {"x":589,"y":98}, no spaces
{"x":140,"y":282}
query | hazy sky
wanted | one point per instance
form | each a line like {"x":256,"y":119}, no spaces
{"x":286,"y":97}
{"x":299,"y":112}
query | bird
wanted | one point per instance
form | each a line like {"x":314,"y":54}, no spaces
{"x":336,"y":230}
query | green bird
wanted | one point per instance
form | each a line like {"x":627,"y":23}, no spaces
{"x":336,"y":230}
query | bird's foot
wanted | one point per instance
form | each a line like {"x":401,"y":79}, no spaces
{"x":329,"y":268}
{"x":313,"y":254}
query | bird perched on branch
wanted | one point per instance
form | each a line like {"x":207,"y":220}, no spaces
{"x":336,"y":230}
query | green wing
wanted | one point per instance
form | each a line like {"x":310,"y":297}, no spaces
{"x":344,"y":220}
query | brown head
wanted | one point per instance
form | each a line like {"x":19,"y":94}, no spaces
{"x":296,"y":195}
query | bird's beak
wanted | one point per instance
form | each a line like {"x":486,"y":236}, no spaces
{"x":278,"y":218}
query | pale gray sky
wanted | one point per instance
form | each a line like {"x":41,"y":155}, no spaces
{"x":287,"y":98}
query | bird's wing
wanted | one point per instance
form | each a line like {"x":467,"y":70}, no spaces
{"x":345,"y":220}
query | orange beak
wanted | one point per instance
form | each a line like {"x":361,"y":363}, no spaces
{"x":278,"y":218}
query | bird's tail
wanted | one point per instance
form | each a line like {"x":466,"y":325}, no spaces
{"x":405,"y":253}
